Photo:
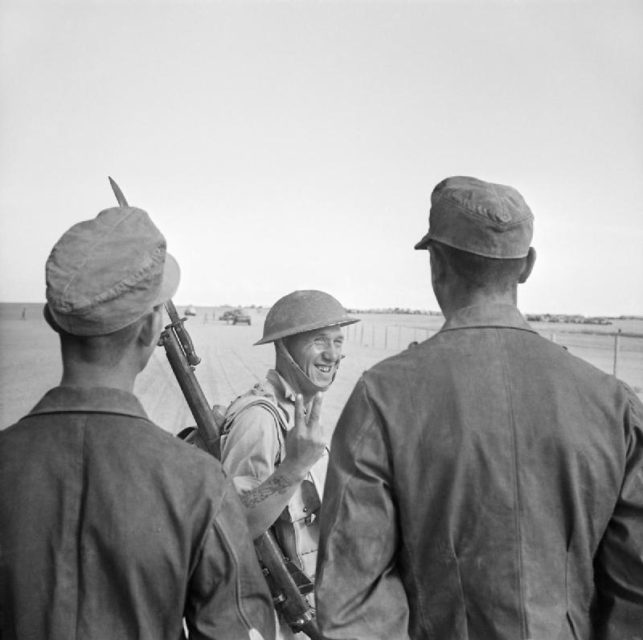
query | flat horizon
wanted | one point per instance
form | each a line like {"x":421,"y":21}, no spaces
{"x":382,"y":309}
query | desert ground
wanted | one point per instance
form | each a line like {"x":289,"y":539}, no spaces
{"x":230,"y":364}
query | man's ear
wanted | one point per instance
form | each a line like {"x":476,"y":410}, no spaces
{"x":436,"y":265}
{"x":529,"y":265}
{"x":151,"y":326}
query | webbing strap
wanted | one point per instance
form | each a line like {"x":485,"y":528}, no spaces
{"x":259,"y":401}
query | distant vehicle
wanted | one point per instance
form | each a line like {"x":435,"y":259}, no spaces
{"x":227,"y":315}
{"x":190,"y":311}
{"x":236,"y":316}
{"x":242,"y":318}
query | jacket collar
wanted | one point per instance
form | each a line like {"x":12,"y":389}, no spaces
{"x":90,"y":400}
{"x":488,"y":315}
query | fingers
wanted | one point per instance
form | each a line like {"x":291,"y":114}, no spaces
{"x":300,"y":411}
{"x":305,"y":443}
{"x":315,"y":409}
{"x":312,"y":419}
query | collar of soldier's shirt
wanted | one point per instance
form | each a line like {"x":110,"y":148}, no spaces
{"x":487,"y":315}
{"x":284,"y":394}
{"x":90,"y":399}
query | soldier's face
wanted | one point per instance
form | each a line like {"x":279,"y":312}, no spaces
{"x":318,"y":353}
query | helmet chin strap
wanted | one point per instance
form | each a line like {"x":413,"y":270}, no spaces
{"x":302,"y":382}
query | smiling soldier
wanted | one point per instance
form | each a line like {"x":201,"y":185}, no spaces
{"x":278,"y":464}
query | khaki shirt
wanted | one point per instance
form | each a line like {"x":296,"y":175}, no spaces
{"x":253,"y":445}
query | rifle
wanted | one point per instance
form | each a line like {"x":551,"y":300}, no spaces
{"x":280,"y":573}
{"x":286,"y":582}
{"x":183,"y":358}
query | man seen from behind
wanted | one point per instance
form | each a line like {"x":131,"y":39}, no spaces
{"x":485,"y":484}
{"x":109,"y":526}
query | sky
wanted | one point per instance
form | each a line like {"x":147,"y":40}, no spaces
{"x":294,"y":145}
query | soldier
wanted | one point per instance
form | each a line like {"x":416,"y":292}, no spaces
{"x":278,"y":463}
{"x":486,"y":484}
{"x":109,"y":526}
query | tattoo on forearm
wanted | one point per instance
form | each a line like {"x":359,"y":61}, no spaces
{"x":275,"y":484}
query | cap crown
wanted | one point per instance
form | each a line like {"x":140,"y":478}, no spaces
{"x":483,"y":218}
{"x":105,"y":273}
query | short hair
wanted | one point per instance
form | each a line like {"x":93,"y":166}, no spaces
{"x":108,"y":348}
{"x":480,"y":272}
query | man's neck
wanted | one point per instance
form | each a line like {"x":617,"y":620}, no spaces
{"x":84,"y":375}
{"x":456,"y":301}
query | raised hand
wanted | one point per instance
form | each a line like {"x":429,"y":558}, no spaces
{"x":305,"y":442}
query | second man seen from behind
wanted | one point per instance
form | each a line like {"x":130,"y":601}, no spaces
{"x":485,"y":484}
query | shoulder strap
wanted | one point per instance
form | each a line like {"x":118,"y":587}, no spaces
{"x":242,"y":403}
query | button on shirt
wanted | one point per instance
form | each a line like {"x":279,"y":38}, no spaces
{"x":484,"y":485}
{"x":111,"y":528}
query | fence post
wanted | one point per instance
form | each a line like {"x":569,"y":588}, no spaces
{"x":616,"y":341}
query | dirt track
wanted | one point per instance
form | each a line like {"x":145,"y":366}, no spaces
{"x":30,"y":363}
{"x":230,"y":365}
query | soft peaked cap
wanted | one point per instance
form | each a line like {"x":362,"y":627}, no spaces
{"x":483,"y":218}
{"x":105,"y":273}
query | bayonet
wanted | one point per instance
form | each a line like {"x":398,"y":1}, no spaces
{"x":118,"y":193}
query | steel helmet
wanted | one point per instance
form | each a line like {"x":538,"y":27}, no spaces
{"x":302,"y":311}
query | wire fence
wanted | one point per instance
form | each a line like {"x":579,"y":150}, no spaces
{"x":618,"y":353}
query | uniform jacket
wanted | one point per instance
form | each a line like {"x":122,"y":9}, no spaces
{"x":111,"y":528}
{"x":484,"y":485}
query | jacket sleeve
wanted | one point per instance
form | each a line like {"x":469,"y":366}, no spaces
{"x":619,"y":562}
{"x":227,"y":597}
{"x":359,"y":593}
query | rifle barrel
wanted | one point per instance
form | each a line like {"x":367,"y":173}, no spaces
{"x":192,"y":391}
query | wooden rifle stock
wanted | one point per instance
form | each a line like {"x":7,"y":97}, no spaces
{"x":284,"y":590}
{"x":182,"y":358}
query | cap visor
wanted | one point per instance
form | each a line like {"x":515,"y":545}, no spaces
{"x":424,"y":243}
{"x":46,"y":312}
{"x":170,"y":282}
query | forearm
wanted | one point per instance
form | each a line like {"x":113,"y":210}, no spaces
{"x":264,"y":503}
{"x":249,"y":455}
